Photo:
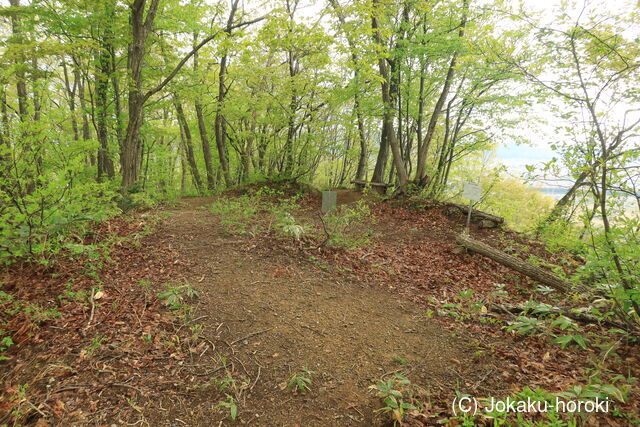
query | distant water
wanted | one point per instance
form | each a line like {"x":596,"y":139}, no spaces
{"x":555,"y":192}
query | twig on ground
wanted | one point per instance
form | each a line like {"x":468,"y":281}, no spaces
{"x":93,"y":307}
{"x":256,"y":380}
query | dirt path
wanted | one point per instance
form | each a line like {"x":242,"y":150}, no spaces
{"x":272,"y":314}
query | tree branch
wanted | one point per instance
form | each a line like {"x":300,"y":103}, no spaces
{"x":193,"y":51}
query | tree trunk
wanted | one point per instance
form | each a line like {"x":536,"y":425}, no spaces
{"x":382,"y":158}
{"x":21,"y":84}
{"x":187,"y":142}
{"x":204,"y":137}
{"x":536,"y":273}
{"x":71,"y":92}
{"x":116,"y":100}
{"x":105,"y":165}
{"x":476,"y":213}
{"x":421,"y":168}
{"x":140,"y":28}
{"x":362,"y":158}
{"x":389,"y":110}
{"x":220,"y":124}
{"x":561,"y":204}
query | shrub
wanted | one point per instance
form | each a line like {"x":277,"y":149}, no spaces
{"x":349,"y":227}
{"x":55,"y":215}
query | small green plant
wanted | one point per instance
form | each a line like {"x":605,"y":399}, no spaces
{"x":398,"y":397}
{"x":144,"y":283}
{"x":565,"y":340}
{"x":5,"y":343}
{"x":148,"y":338}
{"x":526,"y":325}
{"x":73,"y":296}
{"x":174,"y":296}
{"x":39,"y":314}
{"x":230,"y":403}
{"x":286,"y":224}
{"x":618,"y":389}
{"x":400,"y":361}
{"x":96,"y":343}
{"x":301,"y":381}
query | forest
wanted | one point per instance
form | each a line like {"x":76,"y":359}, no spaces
{"x":164,"y":258}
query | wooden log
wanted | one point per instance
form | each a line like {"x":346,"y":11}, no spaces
{"x":476,"y":213}
{"x":536,"y":273}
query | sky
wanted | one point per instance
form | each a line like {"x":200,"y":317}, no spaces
{"x":516,"y":157}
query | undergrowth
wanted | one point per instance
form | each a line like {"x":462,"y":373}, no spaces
{"x":267,"y":209}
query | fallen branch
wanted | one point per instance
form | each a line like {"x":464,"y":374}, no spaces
{"x":476,"y":213}
{"x":93,"y":307}
{"x":536,"y":273}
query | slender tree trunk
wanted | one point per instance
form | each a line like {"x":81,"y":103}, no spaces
{"x":4,"y":133}
{"x":86,"y":131}
{"x":421,"y":168}
{"x":21,"y":84}
{"x":131,"y":148}
{"x":117,"y":105}
{"x":220,"y":124}
{"x":382,"y":157}
{"x":247,"y":155}
{"x":71,"y":92}
{"x":204,"y":137}
{"x":188,"y":144}
{"x":561,"y":204}
{"x":357,"y":80}
{"x":388,"y":116}
{"x":101,"y":77}
{"x":35,"y":90}
{"x":361,"y":171}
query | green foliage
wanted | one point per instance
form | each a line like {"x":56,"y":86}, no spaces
{"x":287,"y":225}
{"x":349,"y":227}
{"x":136,"y":201}
{"x":521,"y":206}
{"x":619,"y":292}
{"x":398,"y":396}
{"x":47,"y":221}
{"x":566,"y":340}
{"x":5,"y":343}
{"x":230,"y":404}
{"x":265,"y":208}
{"x":175,"y":296}
{"x":527,"y":325}
{"x":237,"y":214}
{"x":94,"y":346}
{"x":70,"y":295}
{"x":300,"y":381}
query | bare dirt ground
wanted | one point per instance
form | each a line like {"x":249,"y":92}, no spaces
{"x":273,"y":314}
{"x":270,"y":308}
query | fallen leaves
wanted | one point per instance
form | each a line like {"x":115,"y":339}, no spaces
{"x":121,"y":310}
